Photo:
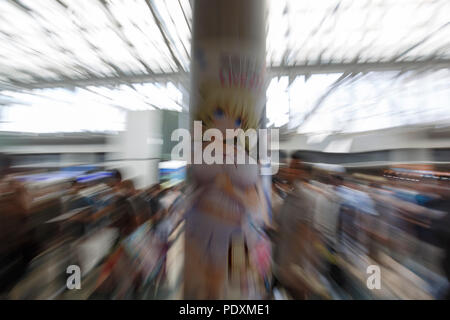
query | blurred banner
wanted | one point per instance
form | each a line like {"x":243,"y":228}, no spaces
{"x":226,"y":255}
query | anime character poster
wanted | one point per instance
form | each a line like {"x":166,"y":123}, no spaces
{"x":227,"y":254}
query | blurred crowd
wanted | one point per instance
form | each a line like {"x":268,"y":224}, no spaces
{"x":332,"y":224}
{"x":91,"y":218}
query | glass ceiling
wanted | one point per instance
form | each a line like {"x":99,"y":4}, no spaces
{"x":50,"y":40}
{"x":357,"y":31}
{"x":371,"y":101}
{"x":57,"y":40}
{"x":118,"y":44}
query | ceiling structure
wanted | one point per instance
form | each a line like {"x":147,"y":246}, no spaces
{"x":51,"y":43}
{"x":103,"y":48}
{"x":357,"y":32}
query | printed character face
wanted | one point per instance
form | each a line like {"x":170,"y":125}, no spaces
{"x":223,"y":121}
{"x":227,"y":109}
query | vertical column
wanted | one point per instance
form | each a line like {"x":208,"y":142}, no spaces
{"x":225,"y":255}
{"x":137,"y":151}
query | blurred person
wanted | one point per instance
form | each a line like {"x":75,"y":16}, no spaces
{"x":115,"y":181}
{"x":16,"y":248}
{"x":124,"y":217}
{"x":353,"y":203}
{"x":117,"y":177}
{"x":326,"y":217}
{"x":278,"y":196}
{"x":159,"y":205}
{"x":294,"y":233}
{"x":387,"y":225}
{"x":5,"y":165}
{"x":327,"y":207}
{"x":127,"y":188}
{"x":441,"y":230}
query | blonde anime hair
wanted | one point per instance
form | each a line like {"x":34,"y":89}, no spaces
{"x":234,"y":102}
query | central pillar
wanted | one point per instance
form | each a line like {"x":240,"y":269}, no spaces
{"x":227,"y":255}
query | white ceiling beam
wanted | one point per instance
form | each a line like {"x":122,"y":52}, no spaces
{"x":273,"y":72}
